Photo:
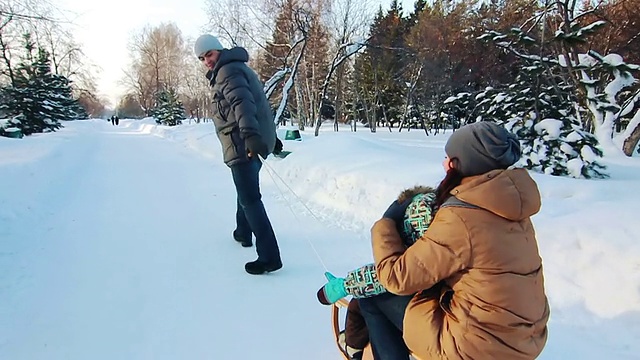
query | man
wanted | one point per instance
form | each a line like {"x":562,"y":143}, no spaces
{"x":247,"y":133}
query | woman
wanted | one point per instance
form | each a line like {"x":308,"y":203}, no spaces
{"x":476,"y":272}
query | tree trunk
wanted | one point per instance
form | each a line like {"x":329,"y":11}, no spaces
{"x":339,"y":113}
{"x":300,"y":113}
{"x":7,"y":60}
{"x":631,"y":141}
{"x":338,"y":59}
{"x":424,"y":126}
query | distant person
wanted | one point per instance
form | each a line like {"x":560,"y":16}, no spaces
{"x":246,"y":130}
{"x":117,"y":120}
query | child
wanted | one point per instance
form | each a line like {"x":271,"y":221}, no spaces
{"x":363,"y":282}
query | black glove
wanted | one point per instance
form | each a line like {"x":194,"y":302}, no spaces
{"x":255,"y":146}
{"x":278,"y":148}
{"x":396,"y":210}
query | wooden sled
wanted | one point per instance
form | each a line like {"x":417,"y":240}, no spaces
{"x":335,"y":320}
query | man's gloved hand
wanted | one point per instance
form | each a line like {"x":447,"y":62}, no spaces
{"x":332,"y":291}
{"x":278,"y":148}
{"x":255,"y":146}
{"x":396,"y":210}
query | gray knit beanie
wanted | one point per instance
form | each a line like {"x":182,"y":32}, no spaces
{"x":481,"y":147}
{"x":205,"y":43}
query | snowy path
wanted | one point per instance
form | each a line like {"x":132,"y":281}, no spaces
{"x":124,"y":252}
{"x":115,"y":244}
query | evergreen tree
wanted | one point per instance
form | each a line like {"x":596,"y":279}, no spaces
{"x":418,"y":8}
{"x":612,"y":97}
{"x":33,"y":108}
{"x":277,"y":59}
{"x":61,"y":91}
{"x":381,"y":67}
{"x":540,"y":108}
{"x":169,"y":109}
{"x":276,"y":56}
{"x":38,"y":99}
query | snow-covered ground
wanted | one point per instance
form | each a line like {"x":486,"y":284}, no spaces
{"x":115,"y":244}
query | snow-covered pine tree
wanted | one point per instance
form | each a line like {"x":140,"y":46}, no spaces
{"x":612,"y":96}
{"x":79,"y":112}
{"x":169,"y":109}
{"x":544,"y":118}
{"x":55,"y":92}
{"x":62,"y":93}
{"x":540,"y":107}
{"x":28,"y":101}
{"x":457,"y":108}
{"x":39,"y":100}
{"x":16,"y":102}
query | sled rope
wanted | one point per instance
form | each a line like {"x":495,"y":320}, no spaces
{"x":207,"y":134}
{"x":271,"y":171}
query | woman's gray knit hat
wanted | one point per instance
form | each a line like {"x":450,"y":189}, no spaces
{"x":205,"y":43}
{"x":481,"y":147}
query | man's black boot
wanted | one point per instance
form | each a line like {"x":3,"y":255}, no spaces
{"x":245,"y":242}
{"x":258,"y":267}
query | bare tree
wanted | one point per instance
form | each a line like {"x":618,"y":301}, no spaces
{"x":67,"y":57}
{"x":158,"y":59}
{"x":295,"y":46}
{"x":409,"y":99}
{"x":291,"y":81}
{"x":130,"y":107}
{"x":348,"y":23}
{"x":94,"y":106}
{"x":18,"y":17}
{"x":246,"y":23}
{"x":50,"y":29}
{"x":343,"y":53}
{"x":195,"y":92}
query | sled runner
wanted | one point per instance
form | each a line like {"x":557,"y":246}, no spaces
{"x":335,"y":320}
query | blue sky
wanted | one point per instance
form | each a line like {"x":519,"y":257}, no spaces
{"x":104,"y":28}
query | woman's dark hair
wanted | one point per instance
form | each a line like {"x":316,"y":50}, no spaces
{"x":450,"y":181}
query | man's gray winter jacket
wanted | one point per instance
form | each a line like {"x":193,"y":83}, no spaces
{"x":240,"y":107}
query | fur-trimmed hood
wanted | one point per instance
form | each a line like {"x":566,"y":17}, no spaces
{"x":411,"y":192}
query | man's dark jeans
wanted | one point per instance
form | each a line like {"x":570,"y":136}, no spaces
{"x":384,"y":314}
{"x":251,"y":216}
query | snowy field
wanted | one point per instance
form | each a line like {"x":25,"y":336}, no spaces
{"x":115,"y":243}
